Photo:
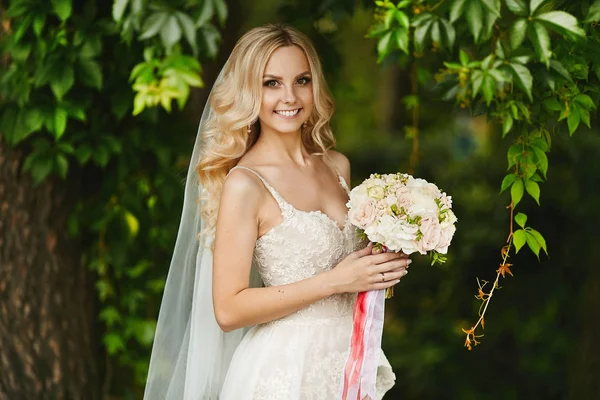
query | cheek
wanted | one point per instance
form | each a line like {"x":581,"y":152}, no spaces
{"x":306,"y":97}
{"x":268,"y":102}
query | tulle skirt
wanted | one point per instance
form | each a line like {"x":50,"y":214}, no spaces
{"x":295,"y":359}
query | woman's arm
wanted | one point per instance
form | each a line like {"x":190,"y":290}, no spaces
{"x":236,"y":304}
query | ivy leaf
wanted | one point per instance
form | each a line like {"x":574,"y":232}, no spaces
{"x":539,"y":238}
{"x":41,"y":168}
{"x":206,"y":14}
{"x":507,"y":181}
{"x":533,"y":244}
{"x":594,"y":12}
{"x":457,"y":10}
{"x":561,"y":22}
{"x":153,"y":24}
{"x":189,"y":30}
{"x":90,"y":73}
{"x":170,"y":33}
{"x":523,"y":78}
{"x":475,"y":19}
{"x":62,"y":166}
{"x":493,"y":6}
{"x":521,"y":219}
{"x":534,"y":4}
{"x":519,"y":239}
{"x":558,"y":67}
{"x":421,"y":35}
{"x":507,"y":124}
{"x":401,"y":37}
{"x":61,"y":84}
{"x":488,"y":88}
{"x":113,"y":343}
{"x":60,"y":122}
{"x":62,"y":8}
{"x":517,"y":33}
{"x":573,"y":119}
{"x":222,"y":11}
{"x":132,"y":223}
{"x":533,"y":189}
{"x":541,"y":42}
{"x":542,"y":160}
{"x":119,"y":9}
{"x":383,"y":45}
{"x":585,"y":101}
{"x":517,"y":7}
{"x":516,"y":192}
{"x":110,"y":316}
{"x":552,"y":104}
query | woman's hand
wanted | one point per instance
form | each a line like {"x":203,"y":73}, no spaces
{"x":362,"y":271}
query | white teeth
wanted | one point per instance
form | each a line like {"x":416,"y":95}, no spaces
{"x":288,"y":113}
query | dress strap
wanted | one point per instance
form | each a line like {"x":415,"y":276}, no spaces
{"x":282,"y":203}
{"x":340,"y":177}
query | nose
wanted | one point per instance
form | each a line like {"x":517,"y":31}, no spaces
{"x":289,"y":95}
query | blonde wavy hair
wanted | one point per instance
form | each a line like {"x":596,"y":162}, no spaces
{"x":236,"y":100}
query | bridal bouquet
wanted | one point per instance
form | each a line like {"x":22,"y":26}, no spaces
{"x":397,"y":213}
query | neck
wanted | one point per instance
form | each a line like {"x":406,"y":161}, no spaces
{"x":283,"y":148}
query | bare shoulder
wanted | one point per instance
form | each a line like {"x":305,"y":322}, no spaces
{"x":242,"y":189}
{"x":341,"y":162}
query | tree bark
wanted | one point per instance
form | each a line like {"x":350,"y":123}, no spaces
{"x":46,"y":295}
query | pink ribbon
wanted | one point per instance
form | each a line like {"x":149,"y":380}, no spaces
{"x":360,"y":371}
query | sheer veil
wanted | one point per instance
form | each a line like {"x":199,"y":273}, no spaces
{"x":191,"y":354}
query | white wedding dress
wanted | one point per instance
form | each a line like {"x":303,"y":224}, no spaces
{"x":300,"y":356}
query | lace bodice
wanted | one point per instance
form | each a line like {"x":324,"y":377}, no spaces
{"x":302,"y":355}
{"x":305,"y":244}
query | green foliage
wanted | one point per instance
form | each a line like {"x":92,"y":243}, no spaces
{"x":78,"y":93}
{"x":523,"y":63}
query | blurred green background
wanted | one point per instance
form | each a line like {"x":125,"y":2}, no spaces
{"x":91,"y":197}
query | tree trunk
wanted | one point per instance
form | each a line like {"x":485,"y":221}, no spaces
{"x":46,"y":295}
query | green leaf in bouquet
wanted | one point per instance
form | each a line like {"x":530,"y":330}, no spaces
{"x":507,"y":124}
{"x":594,"y":12}
{"x":457,"y":10}
{"x":523,"y":78}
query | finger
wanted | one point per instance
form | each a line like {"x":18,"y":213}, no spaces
{"x":384,"y":277}
{"x":364,"y":252}
{"x":391,"y":265}
{"x":385,"y":285}
{"x":383,"y":257}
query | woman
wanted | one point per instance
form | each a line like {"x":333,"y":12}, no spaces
{"x":274,"y":196}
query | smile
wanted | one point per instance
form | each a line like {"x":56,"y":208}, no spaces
{"x":288,"y":113}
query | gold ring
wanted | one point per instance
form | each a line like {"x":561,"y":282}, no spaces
{"x":383,"y":277}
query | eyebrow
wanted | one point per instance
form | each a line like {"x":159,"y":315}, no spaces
{"x":280,"y":78}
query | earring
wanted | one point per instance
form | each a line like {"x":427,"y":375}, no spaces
{"x":305,"y":124}
{"x":249,"y":128}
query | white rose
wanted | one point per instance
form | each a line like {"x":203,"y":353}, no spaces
{"x":423,"y":203}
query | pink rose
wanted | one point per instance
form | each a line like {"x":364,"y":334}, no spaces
{"x":431,"y":231}
{"x":404,"y":197}
{"x":446,"y":235}
{"x":364,"y":215}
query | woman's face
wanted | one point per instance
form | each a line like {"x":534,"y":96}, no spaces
{"x":287,"y":92}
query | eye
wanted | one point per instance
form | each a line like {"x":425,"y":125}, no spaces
{"x":271,"y":83}
{"x":304,"y":81}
